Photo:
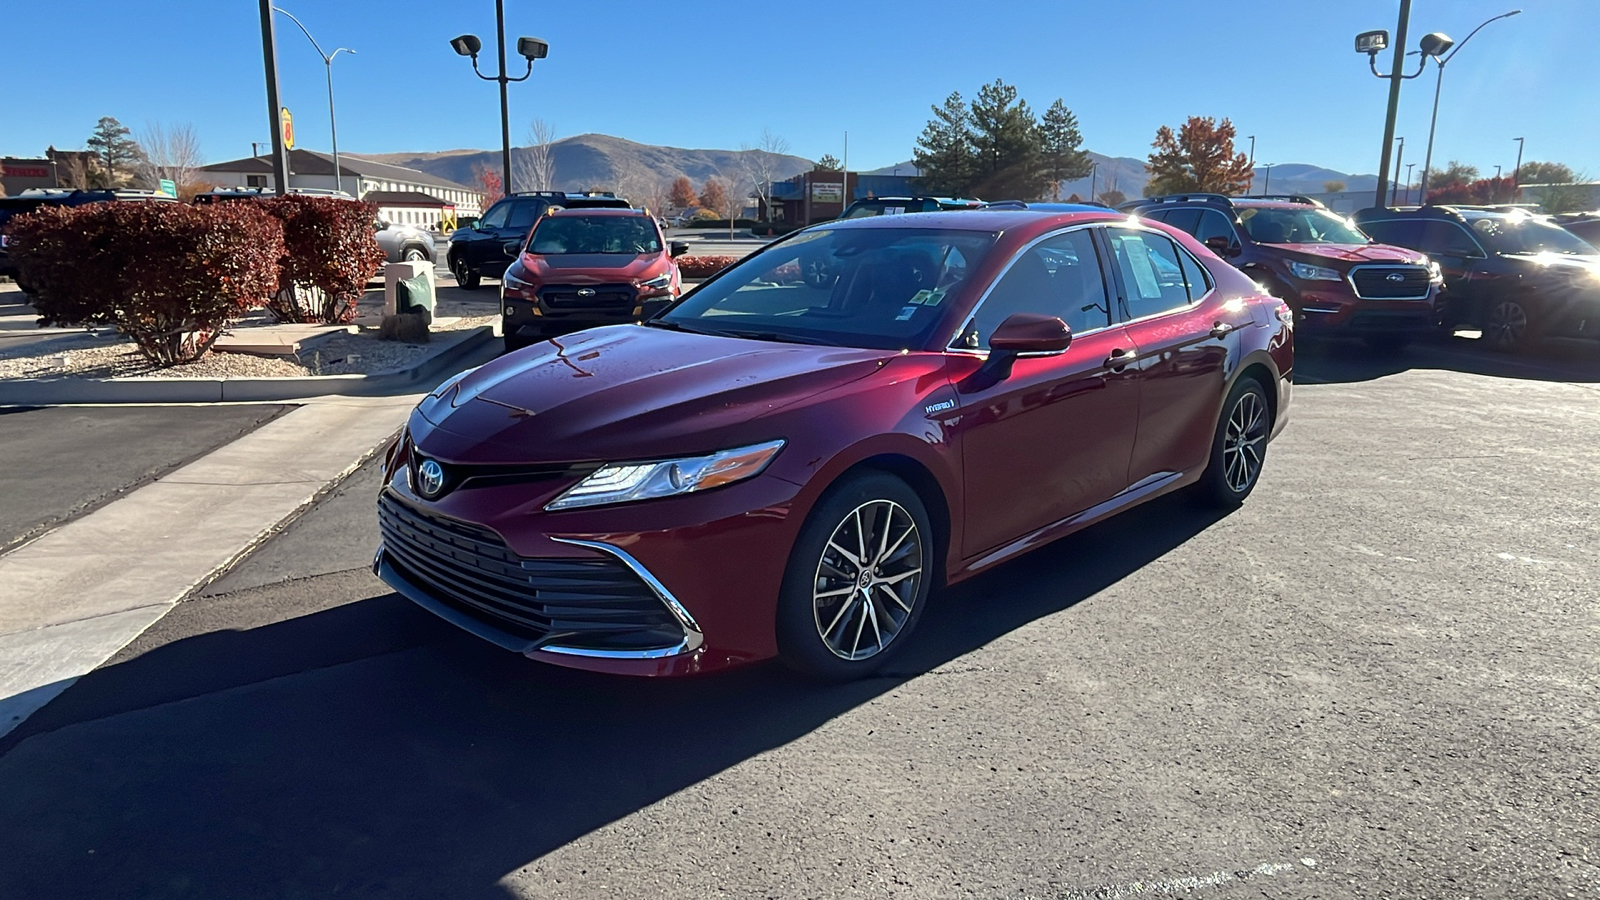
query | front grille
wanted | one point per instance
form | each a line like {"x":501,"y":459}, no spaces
{"x":605,"y":296}
{"x":1374,"y":283}
{"x":593,"y":604}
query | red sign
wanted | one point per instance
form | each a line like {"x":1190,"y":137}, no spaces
{"x":25,"y":171}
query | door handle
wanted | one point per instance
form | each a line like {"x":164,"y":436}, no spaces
{"x":1119,"y":359}
{"x":1221,"y":329}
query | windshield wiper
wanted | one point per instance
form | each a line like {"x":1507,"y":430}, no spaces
{"x":672,"y":326}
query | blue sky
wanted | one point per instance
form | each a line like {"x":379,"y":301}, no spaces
{"x":713,"y":73}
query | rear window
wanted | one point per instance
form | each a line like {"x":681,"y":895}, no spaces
{"x":561,"y":235}
{"x":861,"y":210}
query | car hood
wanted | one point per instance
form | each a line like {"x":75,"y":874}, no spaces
{"x":1355,"y":253}
{"x":593,"y":268}
{"x":630,"y":392}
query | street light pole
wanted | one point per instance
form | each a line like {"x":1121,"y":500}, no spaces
{"x":1252,"y":180}
{"x":1427,"y":161}
{"x":333,"y":125}
{"x":1516,"y":174}
{"x":1399,"y":154}
{"x":1409,"y":167}
{"x":269,"y":54}
{"x":1395,"y":78}
{"x":530,"y":49}
{"x":1266,"y":183}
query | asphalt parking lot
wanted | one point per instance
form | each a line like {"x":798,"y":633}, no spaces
{"x":1376,"y":679}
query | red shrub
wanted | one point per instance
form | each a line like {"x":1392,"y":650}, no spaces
{"x":703,"y":266}
{"x":168,"y":275}
{"x":330,"y":255}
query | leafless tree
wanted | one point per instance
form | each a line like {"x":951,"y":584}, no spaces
{"x":171,"y":152}
{"x":760,"y":163}
{"x":72,"y":171}
{"x":534,"y":168}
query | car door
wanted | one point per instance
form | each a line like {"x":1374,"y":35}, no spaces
{"x":483,"y":235}
{"x":1182,"y":336}
{"x":1053,"y":438}
{"x":524,"y":213}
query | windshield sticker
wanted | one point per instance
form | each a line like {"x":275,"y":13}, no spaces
{"x":906,"y":313}
{"x":1144,"y":269}
{"x":926,"y":297}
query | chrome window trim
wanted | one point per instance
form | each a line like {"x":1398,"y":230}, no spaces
{"x":1350,"y":279}
{"x":950,"y":345}
{"x":1205,"y":273}
{"x":692,"y":635}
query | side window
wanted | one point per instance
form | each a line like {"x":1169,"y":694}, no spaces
{"x":1059,"y":276}
{"x":1399,"y":232}
{"x":1214,"y":224}
{"x":524,"y":213}
{"x":1183,"y":219}
{"x":1152,"y":269}
{"x":496,"y":216}
{"x":1449,"y":239}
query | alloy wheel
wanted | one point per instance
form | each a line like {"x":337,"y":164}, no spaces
{"x":1243,"y":441}
{"x":867,"y":580}
{"x":415,"y":255}
{"x":1508,"y":322}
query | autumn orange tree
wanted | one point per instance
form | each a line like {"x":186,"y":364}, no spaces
{"x":714,"y":195}
{"x":1199,"y":158}
{"x":683,"y":195}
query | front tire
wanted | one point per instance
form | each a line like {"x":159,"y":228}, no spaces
{"x":1508,"y":325}
{"x":858,"y":579}
{"x":414,"y":254}
{"x":1238,"y":448}
{"x":466,"y":279}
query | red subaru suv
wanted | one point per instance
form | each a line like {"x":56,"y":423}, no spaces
{"x":1337,"y":281}
{"x":578,"y":268}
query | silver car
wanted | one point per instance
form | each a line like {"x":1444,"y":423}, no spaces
{"x":403,"y":243}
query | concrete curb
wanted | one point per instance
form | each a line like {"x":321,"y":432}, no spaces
{"x":43,"y":392}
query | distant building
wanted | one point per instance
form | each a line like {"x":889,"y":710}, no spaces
{"x":820,"y":195}
{"x":18,"y":175}
{"x":359,"y":177}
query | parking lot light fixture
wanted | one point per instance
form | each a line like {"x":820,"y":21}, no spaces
{"x":1371,"y":43}
{"x":1438,"y":47}
{"x":333,"y":125}
{"x":528,"y":48}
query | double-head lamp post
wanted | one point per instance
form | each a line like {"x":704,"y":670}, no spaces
{"x":530,"y":49}
{"x":333,"y":125}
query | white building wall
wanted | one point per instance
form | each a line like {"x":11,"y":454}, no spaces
{"x":467,"y":203}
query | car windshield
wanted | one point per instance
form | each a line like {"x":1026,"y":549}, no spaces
{"x":1525,"y":234}
{"x":557,"y":235}
{"x":883,"y":208}
{"x":882,"y":288}
{"x":1298,"y":226}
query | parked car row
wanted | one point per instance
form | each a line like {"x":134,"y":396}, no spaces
{"x":34,"y":198}
{"x":482,"y":249}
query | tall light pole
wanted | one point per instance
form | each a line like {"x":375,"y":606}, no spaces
{"x":1266,"y":183}
{"x":1409,"y":167}
{"x":269,"y":55}
{"x":1371,"y":43}
{"x":1434,"y":45}
{"x":530,"y":49}
{"x":327,"y":61}
{"x":1252,"y":181}
{"x":1398,"y":155}
{"x":1516,"y":174}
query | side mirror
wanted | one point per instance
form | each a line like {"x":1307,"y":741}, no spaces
{"x":1222,"y":246}
{"x":1030,"y":333}
{"x":678,"y":248}
{"x":513,"y":248}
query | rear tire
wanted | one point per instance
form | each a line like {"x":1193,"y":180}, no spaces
{"x":466,"y":279}
{"x":1508,"y":325}
{"x":414,"y":254}
{"x":858,"y":579}
{"x":1238,"y":447}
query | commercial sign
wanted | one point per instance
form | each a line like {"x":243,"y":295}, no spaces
{"x":169,"y":187}
{"x":288,"y":129}
{"x":827,"y":192}
{"x":11,"y":170}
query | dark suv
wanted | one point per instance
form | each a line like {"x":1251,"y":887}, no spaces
{"x":480,"y":249}
{"x":30,"y":200}
{"x":1515,"y":276}
{"x":892,"y":206}
{"x":1337,"y":281}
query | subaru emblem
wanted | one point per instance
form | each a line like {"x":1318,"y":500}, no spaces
{"x":585,"y":292}
{"x":430,"y":479}
{"x":1396,"y":277}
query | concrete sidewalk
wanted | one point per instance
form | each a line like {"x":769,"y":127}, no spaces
{"x":74,"y":596}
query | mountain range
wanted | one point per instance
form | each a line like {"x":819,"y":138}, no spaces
{"x":601,"y":161}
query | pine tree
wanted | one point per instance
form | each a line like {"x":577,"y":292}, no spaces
{"x":1064,"y":156}
{"x":1010,"y":147}
{"x":829,"y":163}
{"x":115,"y":150}
{"x":945,"y":153}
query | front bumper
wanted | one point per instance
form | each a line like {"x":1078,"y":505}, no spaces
{"x":1341,"y":311}
{"x":534,"y":317}
{"x":711,"y":564}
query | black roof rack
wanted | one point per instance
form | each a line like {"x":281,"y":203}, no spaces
{"x":555,"y":195}
{"x":1218,"y":200}
{"x":1287,"y":198}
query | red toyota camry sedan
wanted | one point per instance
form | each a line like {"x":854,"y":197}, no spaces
{"x":782,"y":464}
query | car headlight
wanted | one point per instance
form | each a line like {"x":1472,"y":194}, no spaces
{"x":1435,"y":274}
{"x":659,"y":283}
{"x":626,"y":482}
{"x":1307,"y":272}
{"x":511,"y":282}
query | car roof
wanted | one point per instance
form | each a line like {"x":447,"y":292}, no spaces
{"x":1273,"y":204}
{"x":597,"y":211}
{"x":974,"y":220}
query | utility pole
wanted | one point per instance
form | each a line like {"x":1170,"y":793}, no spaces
{"x":1409,"y":167}
{"x":1252,"y":182}
{"x":1516,"y":174}
{"x":1394,"y":98}
{"x":1398,"y":155}
{"x":269,"y":53}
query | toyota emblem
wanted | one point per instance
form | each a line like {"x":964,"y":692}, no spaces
{"x":1396,"y":277}
{"x":585,"y":292}
{"x":430,"y":479}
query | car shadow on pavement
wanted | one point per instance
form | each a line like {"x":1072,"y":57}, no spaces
{"x":1343,"y":361}
{"x":370,"y":749}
